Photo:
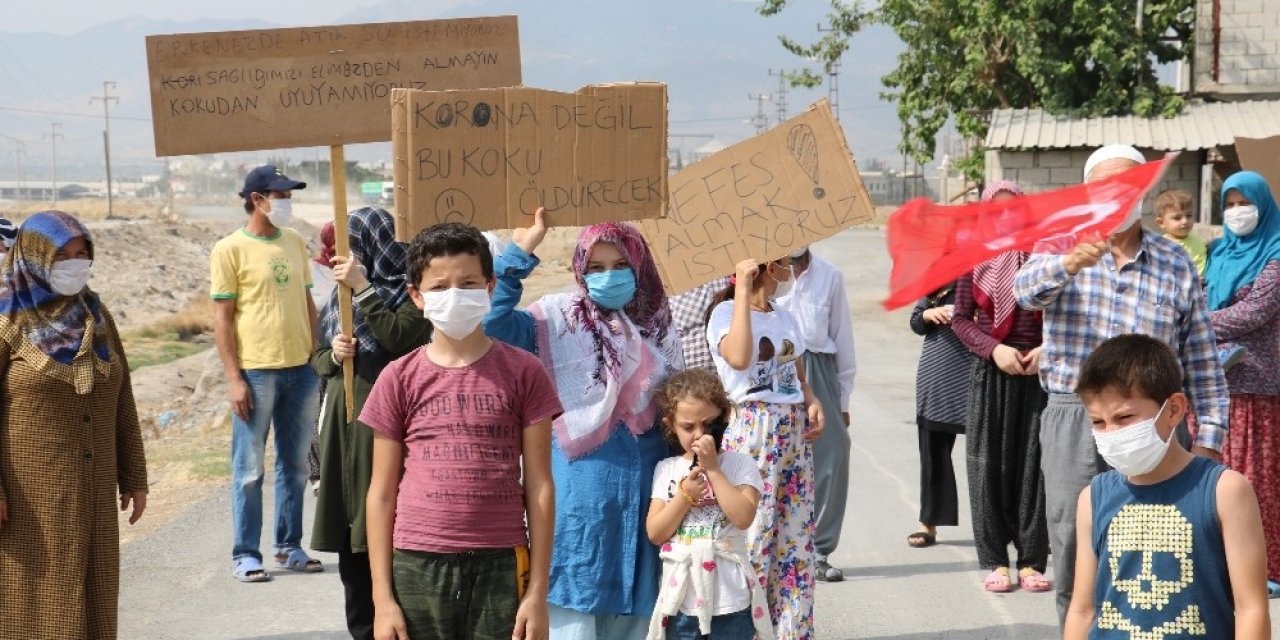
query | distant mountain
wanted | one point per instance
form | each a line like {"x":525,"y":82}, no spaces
{"x":711,"y":53}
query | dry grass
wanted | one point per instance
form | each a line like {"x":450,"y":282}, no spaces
{"x":85,"y":209}
{"x":178,"y":336}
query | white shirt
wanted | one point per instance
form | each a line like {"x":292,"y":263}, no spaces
{"x":322,"y":284}
{"x":708,"y":521}
{"x":775,"y":347}
{"x":820,"y":305}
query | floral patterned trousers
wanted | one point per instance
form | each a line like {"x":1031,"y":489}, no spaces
{"x":781,"y":537}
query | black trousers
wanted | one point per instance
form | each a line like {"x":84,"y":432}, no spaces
{"x":357,"y":585}
{"x":1006,"y":485}
{"x":939,"y":505}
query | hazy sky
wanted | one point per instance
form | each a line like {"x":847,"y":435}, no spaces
{"x":69,"y":16}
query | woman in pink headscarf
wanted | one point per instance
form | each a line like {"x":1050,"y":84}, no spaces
{"x":609,"y":346}
{"x":1006,"y":487}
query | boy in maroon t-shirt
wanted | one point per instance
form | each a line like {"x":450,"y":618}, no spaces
{"x":448,"y":550}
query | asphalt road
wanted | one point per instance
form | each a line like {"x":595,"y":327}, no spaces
{"x":176,"y":583}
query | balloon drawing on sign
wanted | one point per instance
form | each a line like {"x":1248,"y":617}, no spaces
{"x":803,"y":146}
{"x":454,"y":205}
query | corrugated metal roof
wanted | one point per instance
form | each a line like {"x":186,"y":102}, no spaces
{"x":1200,"y":126}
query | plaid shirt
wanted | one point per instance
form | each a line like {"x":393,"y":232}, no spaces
{"x":689,"y":315}
{"x":1157,"y":294}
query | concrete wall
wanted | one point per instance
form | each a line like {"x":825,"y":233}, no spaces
{"x":1248,"y":48}
{"x":1042,"y":170}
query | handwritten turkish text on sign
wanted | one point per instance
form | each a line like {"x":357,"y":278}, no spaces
{"x":314,"y":86}
{"x":762,"y":198}
{"x":491,"y":157}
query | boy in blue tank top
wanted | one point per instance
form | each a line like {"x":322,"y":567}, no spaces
{"x":1176,"y":539}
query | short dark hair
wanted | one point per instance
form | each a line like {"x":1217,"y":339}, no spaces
{"x":447,"y":239}
{"x":1132,"y":364}
{"x":248,"y":200}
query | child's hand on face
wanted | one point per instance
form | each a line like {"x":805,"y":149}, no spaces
{"x":705,"y":448}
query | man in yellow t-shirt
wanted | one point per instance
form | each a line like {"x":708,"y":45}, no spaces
{"x":263,"y":327}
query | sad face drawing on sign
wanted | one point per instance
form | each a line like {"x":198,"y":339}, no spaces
{"x":454,"y":205}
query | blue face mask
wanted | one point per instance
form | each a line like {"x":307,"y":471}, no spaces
{"x":611,"y":289}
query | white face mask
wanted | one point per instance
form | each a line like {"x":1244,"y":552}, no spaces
{"x":281,"y":213}
{"x":1241,"y":220}
{"x":69,"y":277}
{"x":785,"y":286}
{"x":1135,"y":449}
{"x":455,"y":312}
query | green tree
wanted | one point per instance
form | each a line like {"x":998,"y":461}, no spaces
{"x":964,"y":58}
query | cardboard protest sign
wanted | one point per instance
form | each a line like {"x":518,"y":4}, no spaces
{"x":314,"y":86}
{"x":491,"y":157}
{"x":762,"y":198}
{"x":1261,"y":155}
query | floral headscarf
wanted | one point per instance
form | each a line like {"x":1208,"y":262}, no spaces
{"x":55,"y":324}
{"x":993,"y":279}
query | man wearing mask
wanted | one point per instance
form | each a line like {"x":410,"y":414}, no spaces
{"x":263,"y":328}
{"x":820,"y":306}
{"x":1132,"y":282}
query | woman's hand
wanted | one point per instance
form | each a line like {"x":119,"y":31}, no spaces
{"x":938,"y":315}
{"x":388,"y":622}
{"x":528,"y":238}
{"x":817,"y":420}
{"x":705,"y":448}
{"x":745,"y":273}
{"x":139,"y":501}
{"x":348,"y":270}
{"x":1031,"y":360}
{"x":344,"y":348}
{"x":1008,"y":359}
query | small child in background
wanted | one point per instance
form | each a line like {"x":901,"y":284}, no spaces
{"x":1175,"y":545}
{"x":702,"y":503}
{"x":1174,"y":217}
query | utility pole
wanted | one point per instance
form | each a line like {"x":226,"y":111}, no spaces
{"x":760,"y":121}
{"x":782,"y":93}
{"x":53,"y":136}
{"x":19,"y":150}
{"x":106,"y":99}
{"x":832,"y":70}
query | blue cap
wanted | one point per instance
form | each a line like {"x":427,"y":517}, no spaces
{"x":269,"y":178}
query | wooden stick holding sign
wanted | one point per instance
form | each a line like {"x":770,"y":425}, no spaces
{"x":342,"y":247}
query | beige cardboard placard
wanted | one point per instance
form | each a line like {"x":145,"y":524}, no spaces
{"x":1261,"y":155}
{"x":762,"y":198}
{"x":491,"y":157}
{"x":313,"y":86}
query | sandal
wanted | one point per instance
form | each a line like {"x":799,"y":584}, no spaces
{"x":296,"y":559}
{"x":1033,"y":581}
{"x":998,"y":581}
{"x":249,"y":569}
{"x":921,"y":539}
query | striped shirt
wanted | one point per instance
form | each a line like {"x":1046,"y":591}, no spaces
{"x":1157,"y":294}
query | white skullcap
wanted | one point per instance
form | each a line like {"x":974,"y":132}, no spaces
{"x":799,"y":253}
{"x":1112,"y":152}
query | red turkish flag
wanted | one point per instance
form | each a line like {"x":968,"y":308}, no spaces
{"x":932,"y":245}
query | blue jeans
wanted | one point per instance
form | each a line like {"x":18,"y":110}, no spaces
{"x":567,"y":624}
{"x":287,"y":398}
{"x":728,"y":626}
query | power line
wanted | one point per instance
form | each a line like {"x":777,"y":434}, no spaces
{"x":41,"y":112}
{"x":782,"y":93}
{"x":760,"y":121}
{"x":53,"y":136}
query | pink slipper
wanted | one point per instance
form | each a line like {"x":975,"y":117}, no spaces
{"x":997,"y":582}
{"x":1034,"y":582}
